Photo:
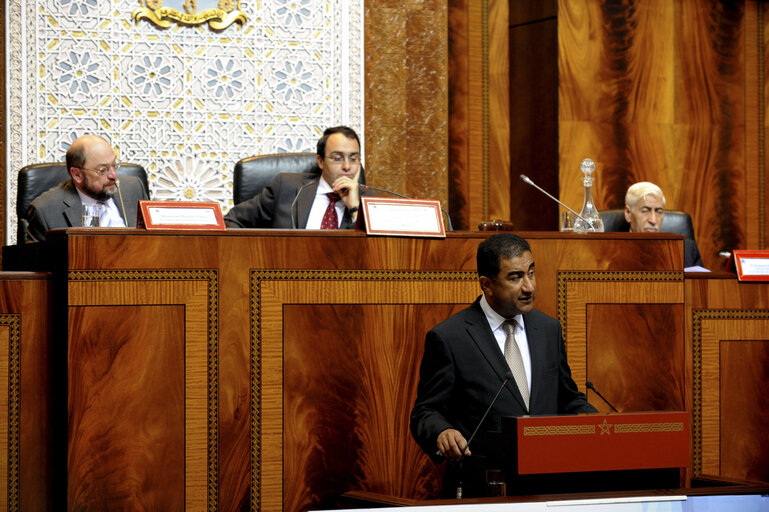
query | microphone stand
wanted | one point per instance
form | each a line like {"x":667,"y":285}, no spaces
{"x":293,"y":204}
{"x":508,"y":376}
{"x":589,"y":385}
{"x":528,"y":181}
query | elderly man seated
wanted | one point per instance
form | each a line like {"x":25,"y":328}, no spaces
{"x":644,"y":211}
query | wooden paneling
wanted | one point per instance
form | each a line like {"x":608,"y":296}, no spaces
{"x":479,"y":122}
{"x":534,"y":127}
{"x":625,"y":333}
{"x":645,"y":338}
{"x":301,"y":353}
{"x":25,"y":398}
{"x":657,"y":92}
{"x":141,"y":371}
{"x":727,"y":323}
{"x":406,"y":92}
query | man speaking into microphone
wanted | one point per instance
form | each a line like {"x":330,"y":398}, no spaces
{"x":468,"y":355}
{"x":329,"y":199}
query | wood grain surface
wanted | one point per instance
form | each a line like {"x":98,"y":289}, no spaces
{"x":300,"y":356}
{"x":728,"y":325}
{"x":25,"y":395}
{"x":656,"y":91}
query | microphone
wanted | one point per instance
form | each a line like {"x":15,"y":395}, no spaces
{"x":293,"y":204}
{"x":369,"y":187}
{"x":528,"y":181}
{"x":589,"y":385}
{"x":120,"y":195}
{"x":508,"y":376}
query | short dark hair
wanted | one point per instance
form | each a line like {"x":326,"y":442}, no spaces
{"x":496,"y":247}
{"x":75,"y":156}
{"x":344,"y":130}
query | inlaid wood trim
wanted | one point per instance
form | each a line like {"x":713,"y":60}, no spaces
{"x":211,"y":278}
{"x":566,"y":277}
{"x":698,"y":317}
{"x":13,"y":391}
{"x":761,"y":130}
{"x":485,"y":102}
{"x":258,"y":280}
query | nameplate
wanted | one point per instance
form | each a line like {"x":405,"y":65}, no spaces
{"x":403,"y":217}
{"x":181,"y":215}
{"x":751,"y":265}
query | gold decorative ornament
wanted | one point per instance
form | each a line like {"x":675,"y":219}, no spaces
{"x":219,"y":14}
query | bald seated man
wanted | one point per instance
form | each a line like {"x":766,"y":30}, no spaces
{"x":92,"y":166}
{"x":645,"y":210}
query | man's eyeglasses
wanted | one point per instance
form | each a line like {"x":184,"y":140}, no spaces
{"x":104,"y":169}
{"x":339,"y":158}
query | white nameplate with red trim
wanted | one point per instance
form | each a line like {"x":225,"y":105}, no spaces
{"x":185,"y":215}
{"x":403,"y":217}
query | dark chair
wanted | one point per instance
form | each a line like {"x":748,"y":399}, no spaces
{"x":254,"y":173}
{"x":674,"y":222}
{"x":37,"y":178}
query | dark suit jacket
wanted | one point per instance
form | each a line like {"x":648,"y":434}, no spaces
{"x":691,"y":254}
{"x":60,"y":207}
{"x":271,"y":208}
{"x":463,"y":367}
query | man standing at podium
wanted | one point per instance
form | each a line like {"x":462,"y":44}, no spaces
{"x":467,"y":356}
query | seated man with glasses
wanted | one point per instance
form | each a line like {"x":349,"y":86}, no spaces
{"x":328,"y":199}
{"x":92,"y":167}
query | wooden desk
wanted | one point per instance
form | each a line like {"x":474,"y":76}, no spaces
{"x":276,"y":370}
{"x":728,"y":330}
{"x":25,"y":398}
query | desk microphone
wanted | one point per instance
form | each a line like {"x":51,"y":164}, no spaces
{"x":120,"y":195}
{"x":369,"y":187}
{"x":528,"y":181}
{"x":293,"y":204}
{"x":508,"y":376}
{"x":589,"y":385}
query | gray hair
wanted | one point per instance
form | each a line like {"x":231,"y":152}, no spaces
{"x":639,"y":190}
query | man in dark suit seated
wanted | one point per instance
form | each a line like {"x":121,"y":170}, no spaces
{"x":467,"y":356}
{"x":329,"y":199}
{"x":92,"y":167}
{"x":644,"y":211}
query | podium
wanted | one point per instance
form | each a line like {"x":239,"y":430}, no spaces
{"x":594,"y":452}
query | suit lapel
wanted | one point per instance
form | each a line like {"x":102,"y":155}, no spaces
{"x":304,"y":203}
{"x":73,"y":209}
{"x":479,"y":331}
{"x":537,"y":352}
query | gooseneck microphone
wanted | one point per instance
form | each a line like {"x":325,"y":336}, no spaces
{"x":120,"y":195}
{"x":369,"y":187}
{"x":528,"y":181}
{"x":293,"y":204}
{"x":508,"y":376}
{"x":589,"y":385}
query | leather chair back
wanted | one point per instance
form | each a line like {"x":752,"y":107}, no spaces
{"x":37,"y":178}
{"x":674,"y":222}
{"x":254,"y":173}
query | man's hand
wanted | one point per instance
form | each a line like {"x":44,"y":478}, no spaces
{"x":348,"y":190}
{"x":451,"y":443}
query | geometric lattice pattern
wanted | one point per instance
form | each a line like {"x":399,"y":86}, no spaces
{"x":185,"y":102}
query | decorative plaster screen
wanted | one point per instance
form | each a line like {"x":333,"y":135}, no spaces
{"x":185,"y":102}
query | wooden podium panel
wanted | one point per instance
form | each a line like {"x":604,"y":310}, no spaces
{"x":728,"y":325}
{"x":300,"y":355}
{"x":625,"y":332}
{"x":25,"y":430}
